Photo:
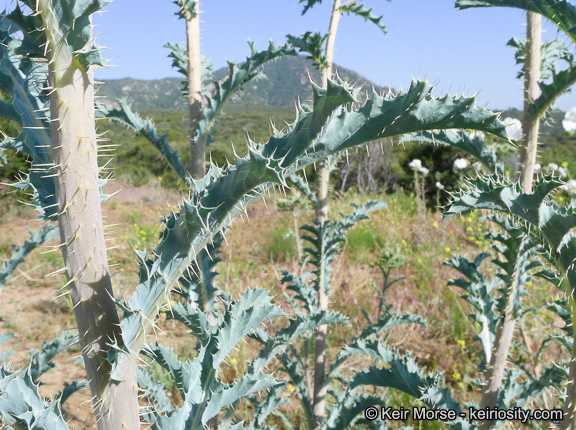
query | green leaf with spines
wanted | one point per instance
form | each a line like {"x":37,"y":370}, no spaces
{"x":187,"y":8}
{"x":203,"y":394}
{"x":25,"y":83}
{"x":520,"y":394}
{"x":362,"y":11}
{"x":402,"y":373}
{"x":146,"y":128}
{"x":22,"y":406}
{"x":519,"y":249}
{"x":253,"y":308}
{"x":229,"y":395}
{"x":187,"y":376}
{"x":225,"y":88}
{"x":308,"y":4}
{"x":478,"y":290}
{"x":412,"y":111}
{"x":197,"y":285}
{"x":69,"y":389}
{"x":325,"y":239}
{"x":272,"y":346}
{"x":41,"y":361}
{"x":45,"y":234}
{"x":328,"y":127}
{"x":344,"y":413}
{"x":296,"y":372}
{"x":561,"y":13}
{"x":552,"y":224}
{"x":179,"y":58}
{"x":549,"y":92}
{"x":268,"y":405}
{"x":4,"y":338}
{"x":357,"y":345}
{"x":312,"y":44}
{"x":72,"y":22}
{"x":32,"y":39}
{"x":551,"y":51}
{"x":238,"y":75}
{"x":180,"y":63}
{"x":301,"y":185}
{"x":298,"y":284}
{"x":193,"y":318}
{"x":561,"y":308}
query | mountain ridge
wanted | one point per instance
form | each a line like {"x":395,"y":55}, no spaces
{"x":288,"y":80}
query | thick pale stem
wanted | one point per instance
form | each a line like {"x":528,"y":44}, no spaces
{"x":322,"y":195}
{"x":495,"y":371}
{"x":320,"y":389}
{"x":81,"y":230}
{"x":197,"y":147}
{"x":530,"y":123}
{"x":297,"y":240}
{"x":502,"y":342}
{"x":324,"y":172}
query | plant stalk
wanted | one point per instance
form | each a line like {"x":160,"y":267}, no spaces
{"x":320,"y":389}
{"x":197,"y":147}
{"x":501,"y":347}
{"x":530,"y":123}
{"x":495,"y":370}
{"x":324,"y":172}
{"x":530,"y":126}
{"x":83,"y":245}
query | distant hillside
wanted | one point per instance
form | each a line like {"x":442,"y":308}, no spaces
{"x":288,"y":81}
{"x":156,"y":94}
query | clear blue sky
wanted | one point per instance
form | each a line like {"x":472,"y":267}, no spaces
{"x":460,"y":51}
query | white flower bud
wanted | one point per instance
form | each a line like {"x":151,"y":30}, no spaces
{"x":415,"y":164}
{"x":461,"y":163}
{"x":569,"y":121}
{"x":513,"y":128}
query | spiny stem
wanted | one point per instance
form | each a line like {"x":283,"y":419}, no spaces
{"x":81,"y":228}
{"x":197,"y":148}
{"x":530,"y":123}
{"x":320,"y":389}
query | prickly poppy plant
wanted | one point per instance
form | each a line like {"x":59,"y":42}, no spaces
{"x":47,"y":65}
